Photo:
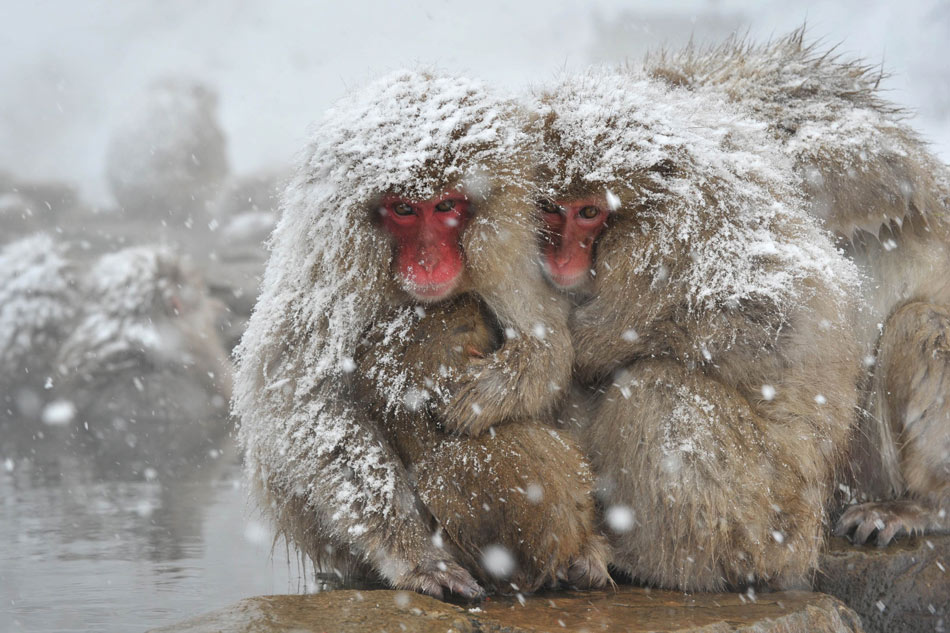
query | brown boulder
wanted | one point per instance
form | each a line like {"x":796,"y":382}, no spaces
{"x":904,"y":587}
{"x":627,"y":609}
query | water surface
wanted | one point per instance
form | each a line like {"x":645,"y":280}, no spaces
{"x":92,"y":548}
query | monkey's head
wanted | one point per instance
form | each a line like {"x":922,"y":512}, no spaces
{"x":656,"y":187}
{"x":411,"y":190}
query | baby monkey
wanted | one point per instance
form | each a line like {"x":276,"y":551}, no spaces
{"x":515,"y":504}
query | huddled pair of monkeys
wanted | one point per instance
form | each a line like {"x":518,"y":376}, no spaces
{"x":604,"y":324}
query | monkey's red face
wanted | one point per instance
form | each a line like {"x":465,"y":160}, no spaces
{"x":429,"y":260}
{"x":572,"y":229}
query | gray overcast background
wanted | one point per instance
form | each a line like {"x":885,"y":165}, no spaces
{"x":70,"y":67}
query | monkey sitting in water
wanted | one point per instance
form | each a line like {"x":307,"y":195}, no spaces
{"x":524,"y":487}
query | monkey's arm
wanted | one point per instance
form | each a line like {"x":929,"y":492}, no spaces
{"x":531,"y":371}
{"x":912,"y":434}
{"x":339,"y":491}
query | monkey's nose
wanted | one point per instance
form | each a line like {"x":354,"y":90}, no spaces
{"x":562,"y":258}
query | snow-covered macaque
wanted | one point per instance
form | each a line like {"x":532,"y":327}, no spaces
{"x":410,"y":192}
{"x":143,"y":371}
{"x":166,"y":160}
{"x":873,"y":182}
{"x":712,"y":323}
{"x":38,"y":304}
{"x":516,"y":505}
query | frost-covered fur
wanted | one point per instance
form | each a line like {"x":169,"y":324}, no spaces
{"x":871,"y":180}
{"x":323,"y":471}
{"x":38,"y":304}
{"x":716,"y":334}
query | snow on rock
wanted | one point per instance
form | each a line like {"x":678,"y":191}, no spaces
{"x":410,"y":133}
{"x":168,"y":156}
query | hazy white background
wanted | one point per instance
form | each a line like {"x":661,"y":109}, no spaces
{"x":70,"y":67}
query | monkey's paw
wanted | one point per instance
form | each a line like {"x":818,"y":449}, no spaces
{"x":481,"y":399}
{"x":886,"y":518}
{"x":589,"y":570}
{"x":434,"y":577}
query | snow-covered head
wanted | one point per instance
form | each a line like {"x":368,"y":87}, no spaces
{"x":397,"y":192}
{"x":697,"y":189}
{"x":143,"y":302}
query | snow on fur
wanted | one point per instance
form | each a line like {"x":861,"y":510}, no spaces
{"x":124,"y":291}
{"x":829,"y":116}
{"x":37,"y":302}
{"x":612,"y":125}
{"x":411,"y":133}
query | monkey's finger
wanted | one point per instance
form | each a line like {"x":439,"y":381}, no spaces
{"x":431,"y":588}
{"x":892,"y":529}
{"x":848,"y":521}
{"x":865,"y":530}
{"x":473,"y":351}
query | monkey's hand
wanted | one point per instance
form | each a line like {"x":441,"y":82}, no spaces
{"x":888,"y":519}
{"x":433,"y":577}
{"x":480,"y":398}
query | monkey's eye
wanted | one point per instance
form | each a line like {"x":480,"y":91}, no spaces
{"x":589,"y":212}
{"x":547,"y":206}
{"x":402,"y":209}
{"x":445,"y":205}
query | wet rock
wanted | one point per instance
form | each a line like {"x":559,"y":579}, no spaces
{"x":904,"y":587}
{"x":628,"y":609}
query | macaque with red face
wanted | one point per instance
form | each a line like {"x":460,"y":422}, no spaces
{"x":429,"y":261}
{"x":571,"y":229}
{"x":709,"y":328}
{"x":411,"y":195}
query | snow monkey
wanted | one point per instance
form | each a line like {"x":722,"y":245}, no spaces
{"x":525,"y":487}
{"x":410,"y":192}
{"x":874,"y":183}
{"x":143,"y":366}
{"x":38,"y":306}
{"x":711,"y":322}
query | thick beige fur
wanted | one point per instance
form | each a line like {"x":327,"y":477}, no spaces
{"x":874,"y":182}
{"x":717,"y":422}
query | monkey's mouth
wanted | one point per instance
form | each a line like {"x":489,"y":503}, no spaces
{"x":431,"y":291}
{"x":566,"y":277}
{"x":566,"y":281}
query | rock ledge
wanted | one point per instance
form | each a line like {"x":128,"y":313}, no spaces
{"x":627,"y":609}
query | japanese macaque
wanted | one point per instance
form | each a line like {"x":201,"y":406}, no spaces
{"x":166,"y":160}
{"x":711,"y":327}
{"x":873,"y":182}
{"x":38,"y":306}
{"x":525,"y":487}
{"x":442,"y":159}
{"x":143,"y":372}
